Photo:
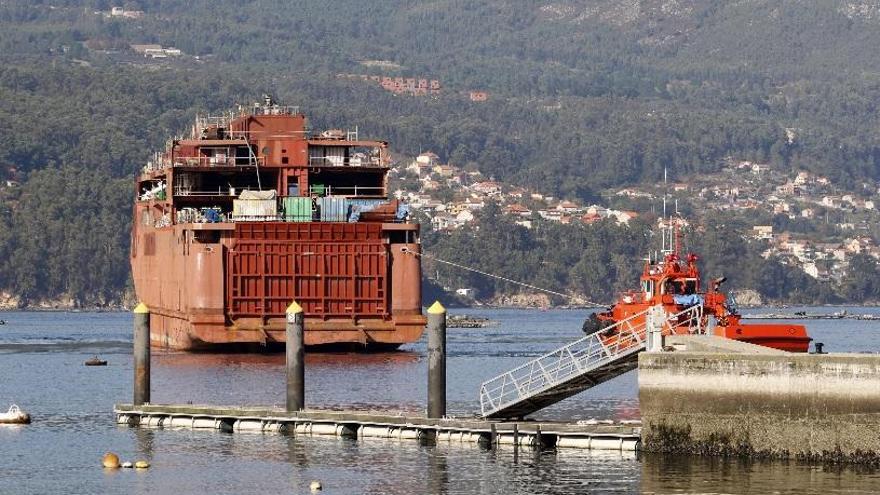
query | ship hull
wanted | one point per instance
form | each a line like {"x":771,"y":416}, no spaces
{"x":790,"y":338}
{"x":784,"y":337}
{"x":359,"y":291}
{"x":177,"y":332}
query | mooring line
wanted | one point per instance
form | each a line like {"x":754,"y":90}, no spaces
{"x":577,"y":299}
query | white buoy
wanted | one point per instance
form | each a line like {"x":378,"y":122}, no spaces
{"x":315,"y":486}
{"x":141,"y":464}
{"x":15,"y":416}
{"x":127,"y":464}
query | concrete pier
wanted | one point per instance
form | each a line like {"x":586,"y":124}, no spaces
{"x":720,"y":397}
{"x":436,"y":361}
{"x":141,"y":354}
{"x":363,"y":425}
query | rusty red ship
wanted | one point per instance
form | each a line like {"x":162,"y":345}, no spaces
{"x":253,"y":211}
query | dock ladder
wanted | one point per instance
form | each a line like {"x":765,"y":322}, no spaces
{"x":580,"y":365}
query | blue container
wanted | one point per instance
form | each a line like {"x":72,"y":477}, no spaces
{"x":358,"y":206}
{"x":334,"y":209}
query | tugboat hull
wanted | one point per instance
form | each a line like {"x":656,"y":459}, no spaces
{"x":789,"y":338}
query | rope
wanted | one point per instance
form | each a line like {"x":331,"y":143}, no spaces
{"x":576,"y":299}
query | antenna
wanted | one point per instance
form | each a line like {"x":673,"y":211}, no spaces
{"x":677,"y":239}
{"x":669,"y":234}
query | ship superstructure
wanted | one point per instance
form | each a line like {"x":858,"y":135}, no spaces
{"x":252,"y":211}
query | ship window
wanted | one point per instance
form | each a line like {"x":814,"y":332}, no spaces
{"x":284,"y":160}
{"x":648,"y":286}
{"x":207,"y":236}
{"x":672,"y":287}
{"x":690,"y":286}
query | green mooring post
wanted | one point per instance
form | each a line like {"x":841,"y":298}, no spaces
{"x":141,"y":355}
{"x":436,"y":360}
{"x":296,"y":382}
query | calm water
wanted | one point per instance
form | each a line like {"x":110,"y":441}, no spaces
{"x":41,"y":365}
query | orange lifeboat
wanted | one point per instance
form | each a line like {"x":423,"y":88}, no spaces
{"x":677,"y":286}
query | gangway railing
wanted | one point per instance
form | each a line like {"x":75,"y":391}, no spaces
{"x":565,"y":371}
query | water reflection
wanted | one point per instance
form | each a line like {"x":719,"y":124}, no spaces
{"x":296,"y":454}
{"x":438,"y":473}
{"x":663,"y":474}
{"x":144,"y":441}
{"x":275,"y":360}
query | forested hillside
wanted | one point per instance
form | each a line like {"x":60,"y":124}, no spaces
{"x":584,"y":95}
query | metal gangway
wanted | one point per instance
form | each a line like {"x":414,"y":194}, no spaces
{"x":582,"y":364}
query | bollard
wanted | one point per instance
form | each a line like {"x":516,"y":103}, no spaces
{"x":141,"y":355}
{"x":654,"y":328}
{"x":436,"y":360}
{"x":296,"y":383}
{"x":539,"y":440}
{"x":515,"y":442}
{"x":493,"y":436}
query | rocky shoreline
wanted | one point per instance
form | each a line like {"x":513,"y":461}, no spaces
{"x":12,"y":302}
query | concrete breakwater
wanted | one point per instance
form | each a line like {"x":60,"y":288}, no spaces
{"x":771,"y":405}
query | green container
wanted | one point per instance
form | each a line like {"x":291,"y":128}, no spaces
{"x":297,"y":209}
{"x":317,"y":189}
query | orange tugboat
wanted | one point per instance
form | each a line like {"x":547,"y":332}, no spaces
{"x":677,"y":286}
{"x":252,"y":211}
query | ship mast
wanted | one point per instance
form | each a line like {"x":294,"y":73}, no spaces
{"x":666,"y":234}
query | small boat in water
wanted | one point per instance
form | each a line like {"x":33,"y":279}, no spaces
{"x":95,"y":361}
{"x":15,"y":416}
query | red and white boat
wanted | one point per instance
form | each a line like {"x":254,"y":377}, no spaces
{"x":676,"y":285}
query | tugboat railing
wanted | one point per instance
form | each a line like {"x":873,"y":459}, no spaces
{"x":582,"y":356}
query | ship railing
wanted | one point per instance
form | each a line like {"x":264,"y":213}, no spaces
{"x":217,"y":161}
{"x":329,"y":190}
{"x":245,"y":135}
{"x":274,"y":109}
{"x":254,"y":218}
{"x":220,"y":191}
{"x":582,"y":356}
{"x":205,"y":121}
{"x":340,"y":161}
{"x":691,"y":318}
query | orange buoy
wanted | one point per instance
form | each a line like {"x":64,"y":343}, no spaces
{"x":110,"y":460}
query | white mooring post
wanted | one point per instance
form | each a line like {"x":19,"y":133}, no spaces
{"x":654,"y":328}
